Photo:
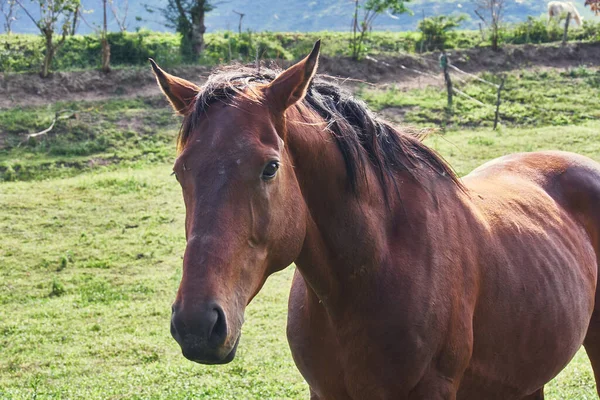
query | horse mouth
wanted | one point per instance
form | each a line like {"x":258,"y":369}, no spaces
{"x":213,"y":359}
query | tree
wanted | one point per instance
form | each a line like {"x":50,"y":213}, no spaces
{"x":52,"y":13}
{"x":187,"y":17}
{"x":491,"y":13}
{"x":120,"y":14}
{"x":104,"y":41}
{"x":437,"y":31}
{"x":8,"y":8}
{"x":75,"y":20}
{"x":370,"y":10}
{"x":103,"y":33}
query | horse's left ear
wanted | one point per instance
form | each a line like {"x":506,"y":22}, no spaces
{"x":291,"y":85}
{"x":181,"y":93}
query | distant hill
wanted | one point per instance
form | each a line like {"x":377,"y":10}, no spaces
{"x":302,"y":15}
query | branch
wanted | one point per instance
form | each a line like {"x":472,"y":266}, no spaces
{"x":121,"y":22}
{"x":481,"y":17}
{"x":57,"y":117}
{"x":29,"y":15}
{"x":95,"y":29}
{"x":181,"y":11}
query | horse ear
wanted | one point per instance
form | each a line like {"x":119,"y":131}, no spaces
{"x":291,"y":85}
{"x":179,"y":92}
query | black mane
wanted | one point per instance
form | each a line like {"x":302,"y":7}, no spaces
{"x":361,"y":137}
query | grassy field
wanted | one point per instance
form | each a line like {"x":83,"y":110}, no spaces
{"x":530,"y":98}
{"x":90,"y":264}
{"x":139,"y":132}
{"x":125,"y":132}
{"x":91,"y":224}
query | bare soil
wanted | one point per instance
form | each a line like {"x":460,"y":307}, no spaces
{"x":18,"y":90}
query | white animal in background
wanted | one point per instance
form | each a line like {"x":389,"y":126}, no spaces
{"x":559,"y":9}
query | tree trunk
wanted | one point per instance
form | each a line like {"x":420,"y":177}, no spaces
{"x":354,"y":32}
{"x":48,"y":56}
{"x":198,"y":28}
{"x":74,"y":25}
{"x":105,"y":55}
{"x":494,"y":38}
{"x":105,"y":44}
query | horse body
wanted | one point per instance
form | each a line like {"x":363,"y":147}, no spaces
{"x":559,"y":10}
{"x":502,"y":307}
{"x":410,"y":283}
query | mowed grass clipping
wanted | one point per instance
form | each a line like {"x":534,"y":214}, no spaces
{"x":89,"y":267}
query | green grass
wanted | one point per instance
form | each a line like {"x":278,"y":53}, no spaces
{"x":91,"y":224}
{"x":130,"y":132}
{"x":529,"y":99}
{"x":140,"y":132}
{"x":89,"y":266}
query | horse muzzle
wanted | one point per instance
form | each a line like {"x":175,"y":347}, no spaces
{"x":204,"y":335}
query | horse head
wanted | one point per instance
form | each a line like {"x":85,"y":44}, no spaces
{"x":245,"y":215}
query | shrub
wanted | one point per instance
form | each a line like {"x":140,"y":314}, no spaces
{"x":437,"y":31}
{"x":535,"y":30}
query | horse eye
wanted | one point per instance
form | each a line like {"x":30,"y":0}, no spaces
{"x":270,"y":170}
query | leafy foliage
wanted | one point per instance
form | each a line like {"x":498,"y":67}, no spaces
{"x":187,"y":18}
{"x":24,"y":53}
{"x":437,"y":31}
{"x":536,"y":30}
{"x":491,"y":12}
{"x":51,"y":14}
{"x":369,"y":10}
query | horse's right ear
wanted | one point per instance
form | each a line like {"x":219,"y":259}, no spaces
{"x":180,"y":93}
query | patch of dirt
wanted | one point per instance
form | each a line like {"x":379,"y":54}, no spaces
{"x":30,"y":90}
{"x":96,"y":161}
{"x":395,"y":115}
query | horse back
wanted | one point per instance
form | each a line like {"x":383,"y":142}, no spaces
{"x":570,"y":180}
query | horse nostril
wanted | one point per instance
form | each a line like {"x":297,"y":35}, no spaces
{"x":218,"y":333}
{"x":202,"y":329}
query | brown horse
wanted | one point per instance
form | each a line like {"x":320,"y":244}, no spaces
{"x":410,"y":283}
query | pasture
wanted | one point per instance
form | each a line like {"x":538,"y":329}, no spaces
{"x":92,"y":220}
{"x":90,"y":264}
{"x":91,"y":229}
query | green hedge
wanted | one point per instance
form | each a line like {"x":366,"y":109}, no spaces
{"x":24,"y":52}
{"x":539,"y":31}
{"x":20,"y":53}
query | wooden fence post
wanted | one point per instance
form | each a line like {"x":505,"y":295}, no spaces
{"x":497,"y":116}
{"x":444,"y":61}
{"x":564,"y":42}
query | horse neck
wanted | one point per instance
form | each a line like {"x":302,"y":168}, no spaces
{"x":351,"y":235}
